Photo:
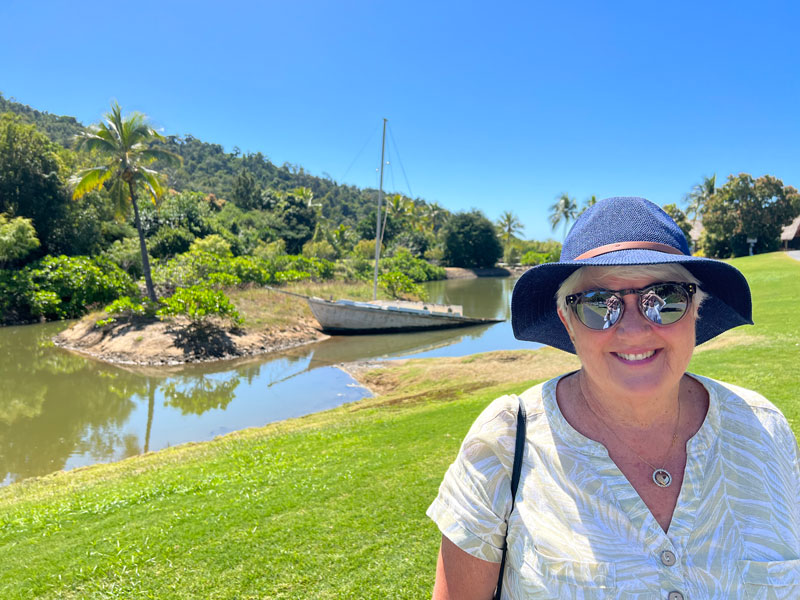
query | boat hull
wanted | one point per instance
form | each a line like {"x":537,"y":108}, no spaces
{"x":353,"y":318}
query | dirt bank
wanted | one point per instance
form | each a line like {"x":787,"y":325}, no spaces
{"x":148,"y":342}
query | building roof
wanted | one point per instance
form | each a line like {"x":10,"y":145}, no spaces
{"x":791,"y":231}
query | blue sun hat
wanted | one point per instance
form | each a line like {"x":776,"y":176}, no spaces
{"x":626,"y":231}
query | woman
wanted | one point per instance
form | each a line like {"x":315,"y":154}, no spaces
{"x":638,"y":480}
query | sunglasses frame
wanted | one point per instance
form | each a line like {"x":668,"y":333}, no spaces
{"x":574,"y":299}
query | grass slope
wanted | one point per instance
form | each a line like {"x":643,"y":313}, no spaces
{"x":328,"y":506}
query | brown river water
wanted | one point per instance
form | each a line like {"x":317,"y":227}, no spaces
{"x":60,"y":410}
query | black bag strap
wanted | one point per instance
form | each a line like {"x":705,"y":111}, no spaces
{"x":519,"y":448}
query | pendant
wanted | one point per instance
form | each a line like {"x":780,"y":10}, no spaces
{"x":662,"y":478}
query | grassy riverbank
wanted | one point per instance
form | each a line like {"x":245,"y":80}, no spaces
{"x":328,"y":506}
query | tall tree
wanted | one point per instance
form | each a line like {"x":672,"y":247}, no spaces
{"x":701,"y":193}
{"x":470,"y":241}
{"x":246,"y":192}
{"x":509,"y":225}
{"x":125,"y":145}
{"x":17,"y":239}
{"x":748,"y":208}
{"x":32,"y":177}
{"x":680,"y":219}
{"x":564,"y":210}
{"x":589,"y":202}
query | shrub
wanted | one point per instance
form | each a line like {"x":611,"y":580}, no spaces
{"x":188,"y":269}
{"x":399,"y":285}
{"x":17,"y":238}
{"x":213,"y":244}
{"x":534,"y":258}
{"x":222,"y":280}
{"x":198,"y":304}
{"x":271,"y":250}
{"x":511,"y":256}
{"x":319,"y":268}
{"x":415,"y":268}
{"x":365,"y":249}
{"x":322,"y":249}
{"x":291,"y":275}
{"x":127,"y":307}
{"x":78,"y":282}
{"x":251,"y":270}
{"x":169,"y":242}
{"x":127,"y":255}
{"x":61,"y":287}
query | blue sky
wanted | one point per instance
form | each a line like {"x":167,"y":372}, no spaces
{"x":499,"y":106}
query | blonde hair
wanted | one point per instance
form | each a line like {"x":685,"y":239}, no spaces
{"x":589,"y":276}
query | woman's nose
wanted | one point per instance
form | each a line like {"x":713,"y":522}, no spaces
{"x":632,"y":320}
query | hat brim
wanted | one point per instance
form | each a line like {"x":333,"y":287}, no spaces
{"x":533,"y":303}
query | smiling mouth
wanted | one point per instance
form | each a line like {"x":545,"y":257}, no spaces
{"x":636,"y":357}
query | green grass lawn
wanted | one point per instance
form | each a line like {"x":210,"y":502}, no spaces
{"x":327,"y":506}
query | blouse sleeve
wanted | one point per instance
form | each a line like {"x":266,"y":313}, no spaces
{"x":475,"y":496}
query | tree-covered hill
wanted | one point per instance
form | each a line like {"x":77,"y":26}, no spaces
{"x":245,"y":179}
{"x":61,"y":130}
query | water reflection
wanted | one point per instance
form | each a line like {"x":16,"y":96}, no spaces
{"x":48,"y":413}
{"x":59,"y":410}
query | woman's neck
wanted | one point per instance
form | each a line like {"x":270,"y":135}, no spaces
{"x":626,"y":411}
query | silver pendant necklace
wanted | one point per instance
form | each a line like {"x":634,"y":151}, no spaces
{"x":661,"y":477}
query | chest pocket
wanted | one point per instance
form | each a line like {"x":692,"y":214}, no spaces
{"x":546,"y":577}
{"x":778,"y":580}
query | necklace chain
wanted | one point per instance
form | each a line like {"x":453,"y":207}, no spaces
{"x":661,"y":477}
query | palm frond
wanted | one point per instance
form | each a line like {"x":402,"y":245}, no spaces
{"x":153,"y":154}
{"x":120,"y":196}
{"x":153,"y":184}
{"x":92,"y":141}
{"x":90,"y":179}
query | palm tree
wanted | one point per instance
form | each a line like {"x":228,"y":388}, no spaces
{"x":589,"y":202}
{"x":124,"y":142}
{"x":509,"y":225}
{"x":700,"y":194}
{"x":565,"y":209}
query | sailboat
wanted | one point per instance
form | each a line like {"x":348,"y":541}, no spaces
{"x":386,"y":316}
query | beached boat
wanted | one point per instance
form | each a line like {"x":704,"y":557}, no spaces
{"x":382,"y":316}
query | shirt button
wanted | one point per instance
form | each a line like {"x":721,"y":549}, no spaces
{"x":667,"y":558}
{"x":675,"y":596}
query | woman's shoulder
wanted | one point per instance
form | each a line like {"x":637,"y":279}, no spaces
{"x":739,"y":406}
{"x":499,"y":418}
{"x":735,"y":397}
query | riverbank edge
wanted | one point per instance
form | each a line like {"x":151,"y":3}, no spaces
{"x":154,"y":343}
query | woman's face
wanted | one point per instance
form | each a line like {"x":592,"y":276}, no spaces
{"x":635,"y":357}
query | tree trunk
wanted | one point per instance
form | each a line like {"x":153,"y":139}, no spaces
{"x":148,"y":278}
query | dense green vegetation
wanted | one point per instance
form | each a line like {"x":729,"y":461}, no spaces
{"x":745,"y":208}
{"x":176,"y":212}
{"x":327,"y":506}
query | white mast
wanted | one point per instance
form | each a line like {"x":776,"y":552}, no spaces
{"x":378,"y":235}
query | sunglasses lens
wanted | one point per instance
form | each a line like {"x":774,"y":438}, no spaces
{"x":598,"y":309}
{"x":664,"y":303}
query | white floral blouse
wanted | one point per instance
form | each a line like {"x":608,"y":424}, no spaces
{"x":579,"y":529}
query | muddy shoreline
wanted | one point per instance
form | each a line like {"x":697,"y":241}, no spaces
{"x":156,"y":343}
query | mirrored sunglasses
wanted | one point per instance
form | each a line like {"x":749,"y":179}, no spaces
{"x":660,"y":303}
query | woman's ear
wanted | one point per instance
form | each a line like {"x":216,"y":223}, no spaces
{"x":567,"y":325}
